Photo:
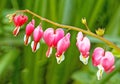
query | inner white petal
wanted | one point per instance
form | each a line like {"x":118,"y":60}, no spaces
{"x":100,"y":72}
{"x":38,"y":46}
{"x":50,"y":52}
{"x":29,"y":39}
{"x":18,"y":29}
{"x":24,"y":38}
{"x":60,"y":59}
{"x":83,"y":59}
{"x":32,"y":44}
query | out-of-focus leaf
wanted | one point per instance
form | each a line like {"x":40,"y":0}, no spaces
{"x":113,"y":28}
{"x":2,"y":4}
{"x":114,"y":79}
{"x":82,"y":77}
{"x":116,"y":53}
{"x":96,"y":10}
{"x":8,"y":59}
{"x":95,"y":40}
{"x":15,"y":4}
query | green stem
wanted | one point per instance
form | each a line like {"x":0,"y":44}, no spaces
{"x":87,"y":27}
{"x":73,"y":28}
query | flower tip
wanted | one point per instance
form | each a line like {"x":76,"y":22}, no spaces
{"x":27,"y":40}
{"x":33,"y":21}
{"x":84,"y":60}
{"x":40,"y":27}
{"x":16,"y":31}
{"x":68,"y":35}
{"x":49,"y":52}
{"x":60,"y":58}
{"x":100,"y":72}
{"x":40,"y":24}
{"x":35,"y":46}
{"x":99,"y":75}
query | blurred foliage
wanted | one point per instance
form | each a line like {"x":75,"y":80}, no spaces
{"x":18,"y":65}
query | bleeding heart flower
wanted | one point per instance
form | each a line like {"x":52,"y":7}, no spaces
{"x":83,"y":44}
{"x":62,"y":46}
{"x":51,"y":38}
{"x":37,"y":35}
{"x":103,"y":60}
{"x":19,"y":20}
{"x":29,"y":31}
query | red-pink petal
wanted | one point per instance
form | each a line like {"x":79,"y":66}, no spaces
{"x":59,"y":33}
{"x":79,"y":37}
{"x":107,"y":61}
{"x":30,"y":28}
{"x":37,"y":33}
{"x":48,"y":36}
{"x":63,"y":45}
{"x":19,"y":20}
{"x":51,"y":36}
{"x":83,"y":44}
{"x":97,"y":55}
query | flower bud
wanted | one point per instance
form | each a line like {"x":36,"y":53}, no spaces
{"x":100,"y":32}
{"x":84,"y":21}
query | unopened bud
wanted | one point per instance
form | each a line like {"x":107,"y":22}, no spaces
{"x":100,"y":31}
{"x":10,"y":17}
{"x":84,"y":21}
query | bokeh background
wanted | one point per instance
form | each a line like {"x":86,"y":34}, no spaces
{"x":18,"y":65}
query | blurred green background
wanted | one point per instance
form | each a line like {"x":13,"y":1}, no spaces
{"x":18,"y":65}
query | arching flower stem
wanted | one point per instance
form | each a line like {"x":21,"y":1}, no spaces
{"x":109,"y":43}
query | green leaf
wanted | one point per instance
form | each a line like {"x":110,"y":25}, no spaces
{"x":81,"y":77}
{"x":8,"y":59}
{"x":116,"y":53}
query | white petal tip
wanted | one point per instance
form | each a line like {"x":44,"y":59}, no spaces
{"x":49,"y":52}
{"x":24,"y":38}
{"x":38,"y":46}
{"x":100,"y":72}
{"x":27,"y":40}
{"x":84,"y":60}
{"x":99,"y":75}
{"x":60,"y":59}
{"x":33,"y":46}
{"x":16,"y":31}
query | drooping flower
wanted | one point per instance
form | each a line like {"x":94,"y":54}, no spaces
{"x":51,"y":38}
{"x":37,"y":35}
{"x":29,"y":31}
{"x":18,"y":20}
{"x":83,"y":44}
{"x":62,"y":46}
{"x":104,"y":60}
